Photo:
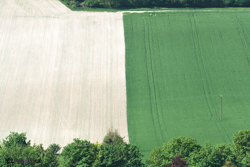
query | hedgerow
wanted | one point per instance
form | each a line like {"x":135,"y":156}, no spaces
{"x":155,"y":3}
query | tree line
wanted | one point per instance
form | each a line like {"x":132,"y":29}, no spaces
{"x":185,"y":151}
{"x":155,"y":3}
{"x":114,"y":152}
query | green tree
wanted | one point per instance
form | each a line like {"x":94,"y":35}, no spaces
{"x":178,"y":162}
{"x":155,"y":158}
{"x":241,"y":147}
{"x":181,"y":145}
{"x":92,"y":3}
{"x":55,"y":147}
{"x":119,"y":155}
{"x":114,"y":152}
{"x":242,"y":3}
{"x":164,"y":156}
{"x":79,"y":154}
{"x":16,"y":155}
{"x":211,"y":155}
{"x":45,"y":157}
{"x":28,"y":155}
{"x":16,"y":151}
{"x":16,"y":139}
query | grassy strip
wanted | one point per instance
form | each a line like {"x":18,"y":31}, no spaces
{"x":177,"y":65}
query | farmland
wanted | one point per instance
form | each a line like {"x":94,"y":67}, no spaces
{"x":177,"y":65}
{"x":62,"y":73}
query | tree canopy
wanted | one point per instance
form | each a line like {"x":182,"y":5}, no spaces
{"x":155,"y":3}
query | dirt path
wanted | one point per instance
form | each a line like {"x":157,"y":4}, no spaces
{"x":62,"y":73}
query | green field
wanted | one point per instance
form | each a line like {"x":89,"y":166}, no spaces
{"x":177,"y":65}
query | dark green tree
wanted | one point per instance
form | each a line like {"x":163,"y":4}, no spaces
{"x":155,"y":3}
{"x":92,"y":3}
{"x":242,"y":3}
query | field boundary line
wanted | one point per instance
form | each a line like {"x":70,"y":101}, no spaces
{"x":176,"y":11}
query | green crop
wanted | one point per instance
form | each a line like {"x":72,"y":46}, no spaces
{"x":177,"y":66}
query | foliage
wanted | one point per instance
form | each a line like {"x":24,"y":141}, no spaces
{"x":182,"y":146}
{"x":73,"y":3}
{"x":178,"y":152}
{"x":34,"y":155}
{"x":155,"y":157}
{"x":211,"y":155}
{"x":119,"y":155}
{"x":156,"y":3}
{"x":112,"y":137}
{"x":54,"y":147}
{"x":185,"y":151}
{"x":16,"y":151}
{"x":241,"y":147}
{"x":229,"y":164}
{"x":79,"y":153}
{"x":178,"y":162}
{"x":46,"y":157}
{"x":49,"y":159}
{"x":15,"y":139}
{"x":178,"y":146}
{"x":92,"y":3}
{"x":114,"y":152}
{"x":16,"y":154}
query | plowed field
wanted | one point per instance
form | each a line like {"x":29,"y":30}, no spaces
{"x":177,"y":65}
{"x":62,"y":73}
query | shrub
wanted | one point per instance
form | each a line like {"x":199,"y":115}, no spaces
{"x":112,"y":137}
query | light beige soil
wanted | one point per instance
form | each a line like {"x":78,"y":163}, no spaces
{"x":62,"y":73}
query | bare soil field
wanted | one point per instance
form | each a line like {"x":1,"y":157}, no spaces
{"x":62,"y":73}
